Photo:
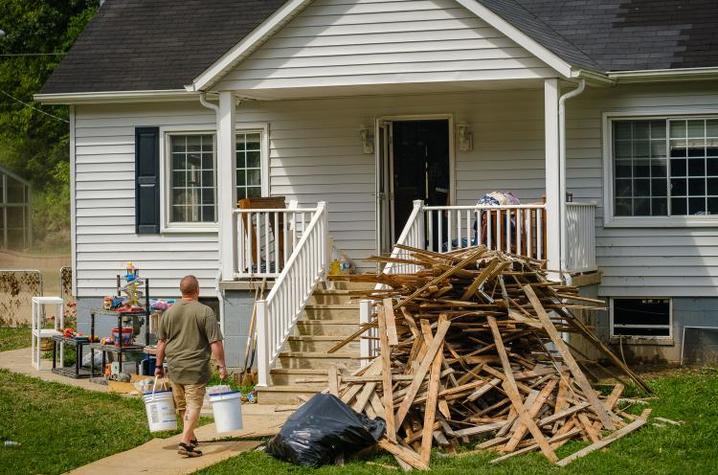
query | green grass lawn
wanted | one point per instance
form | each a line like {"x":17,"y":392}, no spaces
{"x":62,"y":427}
{"x":14,"y":338}
{"x":690,"y":396}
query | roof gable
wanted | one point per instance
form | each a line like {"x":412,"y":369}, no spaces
{"x":302,"y":25}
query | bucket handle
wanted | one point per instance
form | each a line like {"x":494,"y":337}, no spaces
{"x":154,"y":386}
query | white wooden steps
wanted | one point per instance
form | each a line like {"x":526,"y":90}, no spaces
{"x":301,"y":367}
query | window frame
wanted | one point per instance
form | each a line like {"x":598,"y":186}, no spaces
{"x":165,"y":191}
{"x":609,"y":218}
{"x":262,"y":129}
{"x":650,"y":338}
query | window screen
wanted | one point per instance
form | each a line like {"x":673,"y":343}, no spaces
{"x":641,"y":317}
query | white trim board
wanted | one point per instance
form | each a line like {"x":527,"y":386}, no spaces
{"x":291,"y":9}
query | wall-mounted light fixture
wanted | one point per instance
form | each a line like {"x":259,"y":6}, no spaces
{"x":466,"y":137}
{"x":367,"y":139}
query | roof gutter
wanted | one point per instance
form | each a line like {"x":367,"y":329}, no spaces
{"x":116,"y":96}
{"x":661,"y":75}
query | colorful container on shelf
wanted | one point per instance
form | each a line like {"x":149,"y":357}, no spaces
{"x":126,"y":336}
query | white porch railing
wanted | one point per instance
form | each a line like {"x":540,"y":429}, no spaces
{"x":580,"y":237}
{"x":265,"y":238}
{"x":516,"y":229}
{"x":278,"y":313}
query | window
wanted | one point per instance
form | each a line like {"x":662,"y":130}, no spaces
{"x":248,"y":165}
{"x":192,"y":180}
{"x":665,"y":167}
{"x":641,"y":317}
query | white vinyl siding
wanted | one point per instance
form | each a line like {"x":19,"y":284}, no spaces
{"x":348,"y":43}
{"x":315,"y":154}
{"x":639,"y":259}
{"x":105,"y":205}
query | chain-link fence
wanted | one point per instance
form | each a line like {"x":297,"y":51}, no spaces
{"x":17,"y":288}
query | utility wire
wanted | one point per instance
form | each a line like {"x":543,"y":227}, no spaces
{"x":33,"y":107}
{"x":15,"y":55}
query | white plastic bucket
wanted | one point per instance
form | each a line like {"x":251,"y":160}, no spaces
{"x":160,"y":409}
{"x":227,"y":410}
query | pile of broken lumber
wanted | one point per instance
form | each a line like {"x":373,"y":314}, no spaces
{"x":470,"y":351}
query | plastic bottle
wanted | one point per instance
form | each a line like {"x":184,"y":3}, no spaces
{"x":11,"y":443}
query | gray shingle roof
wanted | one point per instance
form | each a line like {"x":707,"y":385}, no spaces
{"x":624,"y":35}
{"x":136,"y":45}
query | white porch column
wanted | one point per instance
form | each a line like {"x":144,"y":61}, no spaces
{"x":225,"y":184}
{"x":553,"y":177}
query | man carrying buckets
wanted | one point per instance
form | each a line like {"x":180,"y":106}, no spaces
{"x":187,"y":334}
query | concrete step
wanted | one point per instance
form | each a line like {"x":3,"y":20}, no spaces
{"x":344,"y":285}
{"x":325,"y":327}
{"x":317,"y":343}
{"x":302,"y":376}
{"x":325,"y":297}
{"x":286,"y":394}
{"x":344,"y":361}
{"x":345,"y":312}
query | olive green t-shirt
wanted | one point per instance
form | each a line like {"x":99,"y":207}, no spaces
{"x":189,"y":327}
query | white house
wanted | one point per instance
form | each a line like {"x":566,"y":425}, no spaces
{"x":601,"y":117}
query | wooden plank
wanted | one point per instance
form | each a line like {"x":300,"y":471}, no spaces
{"x":569,"y":360}
{"x":532,"y":447}
{"x":563,"y":414}
{"x":421,"y":371}
{"x":431,"y":405}
{"x":612,"y":398}
{"x":464,"y":262}
{"x":533,"y":411}
{"x":333,"y":377}
{"x":512,"y":392}
{"x":638,"y":423}
{"x":406,"y":455}
{"x":588,"y":428}
{"x":387,"y":384}
{"x":390,"y":322}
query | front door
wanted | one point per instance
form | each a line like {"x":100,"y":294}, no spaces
{"x":419,"y":167}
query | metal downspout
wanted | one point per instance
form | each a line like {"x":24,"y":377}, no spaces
{"x":218,"y":286}
{"x":562,"y":170}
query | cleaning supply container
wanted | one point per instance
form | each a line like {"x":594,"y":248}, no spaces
{"x":160,"y":409}
{"x":127,"y":334}
{"x":227,"y":410}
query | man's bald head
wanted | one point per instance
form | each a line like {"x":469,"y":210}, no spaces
{"x":189,"y":286}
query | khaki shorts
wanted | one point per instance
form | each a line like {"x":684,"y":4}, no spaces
{"x":188,"y":395}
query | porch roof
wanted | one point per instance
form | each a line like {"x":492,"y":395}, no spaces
{"x":157,"y":45}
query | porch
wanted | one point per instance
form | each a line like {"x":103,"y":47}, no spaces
{"x":267,"y":238}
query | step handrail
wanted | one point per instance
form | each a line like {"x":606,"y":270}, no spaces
{"x":277,"y":315}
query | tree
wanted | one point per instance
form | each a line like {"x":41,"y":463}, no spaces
{"x":34,"y":144}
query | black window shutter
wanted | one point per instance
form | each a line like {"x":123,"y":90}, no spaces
{"x":147,"y":176}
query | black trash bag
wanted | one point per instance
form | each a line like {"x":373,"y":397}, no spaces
{"x":323,"y":429}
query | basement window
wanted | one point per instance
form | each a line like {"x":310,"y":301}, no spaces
{"x":641,"y":317}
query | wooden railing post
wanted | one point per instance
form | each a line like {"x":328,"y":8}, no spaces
{"x":365,"y":350}
{"x":263,"y":349}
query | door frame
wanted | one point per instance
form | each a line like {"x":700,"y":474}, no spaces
{"x":379,"y":175}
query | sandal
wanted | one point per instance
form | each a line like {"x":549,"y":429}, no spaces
{"x":188,"y":450}
{"x":194,"y":443}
